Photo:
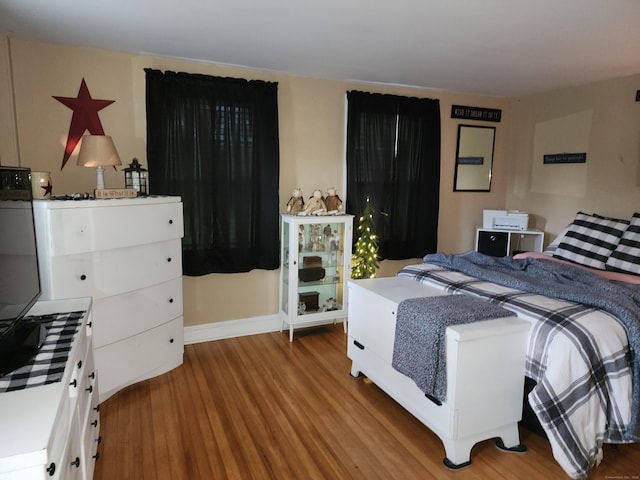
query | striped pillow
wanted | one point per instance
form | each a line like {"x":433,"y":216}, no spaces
{"x":590,"y":240}
{"x":626,"y":257}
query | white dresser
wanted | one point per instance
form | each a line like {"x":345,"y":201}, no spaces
{"x":51,"y":431}
{"x":126,"y":254}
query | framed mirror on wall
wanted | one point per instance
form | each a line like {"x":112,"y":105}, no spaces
{"x":474,"y":158}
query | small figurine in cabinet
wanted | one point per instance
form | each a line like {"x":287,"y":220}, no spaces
{"x":330,"y":305}
{"x":300,"y":238}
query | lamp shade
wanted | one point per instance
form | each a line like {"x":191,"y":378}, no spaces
{"x":98,"y":150}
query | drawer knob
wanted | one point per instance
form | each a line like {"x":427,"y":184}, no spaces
{"x":94,"y":423}
{"x":74,"y":384}
{"x":492,"y":238}
{"x":51,"y":469}
{"x":83,"y":277}
{"x":170,"y":222}
{"x":89,"y":389}
{"x":171,"y":300}
{"x":97,"y":456}
{"x":76,"y":462}
{"x":92,"y":375}
{"x":79,"y":363}
{"x":97,"y":408}
{"x":171,"y":340}
{"x":169,"y":259}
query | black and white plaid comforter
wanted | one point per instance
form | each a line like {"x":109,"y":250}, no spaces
{"x":578,"y":355}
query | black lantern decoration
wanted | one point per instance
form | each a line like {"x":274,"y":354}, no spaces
{"x":135,"y":176}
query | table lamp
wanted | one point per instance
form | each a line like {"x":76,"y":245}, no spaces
{"x":98,"y":151}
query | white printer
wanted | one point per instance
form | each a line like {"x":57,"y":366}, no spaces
{"x":505,"y":220}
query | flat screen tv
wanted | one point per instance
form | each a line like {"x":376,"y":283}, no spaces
{"x":20,"y":337}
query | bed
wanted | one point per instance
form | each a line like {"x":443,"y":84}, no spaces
{"x":581,"y":298}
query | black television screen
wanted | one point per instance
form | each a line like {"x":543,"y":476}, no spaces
{"x":20,"y":338}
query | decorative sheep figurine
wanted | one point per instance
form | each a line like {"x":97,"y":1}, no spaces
{"x":295,"y":205}
{"x":315,"y":205}
{"x":333,"y":202}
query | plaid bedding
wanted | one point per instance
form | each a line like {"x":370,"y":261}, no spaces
{"x":578,"y":355}
{"x":48,"y":364}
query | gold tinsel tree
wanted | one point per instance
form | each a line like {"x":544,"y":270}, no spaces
{"x":365,"y":257}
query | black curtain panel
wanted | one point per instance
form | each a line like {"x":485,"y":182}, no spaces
{"x":214,"y":142}
{"x":393,"y":159}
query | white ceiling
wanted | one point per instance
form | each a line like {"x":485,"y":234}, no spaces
{"x":495,"y":47}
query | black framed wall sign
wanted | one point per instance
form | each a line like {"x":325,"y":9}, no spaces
{"x":476,"y":113}
{"x":557,"y":158}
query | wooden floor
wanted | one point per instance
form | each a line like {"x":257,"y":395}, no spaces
{"x":259,"y":407}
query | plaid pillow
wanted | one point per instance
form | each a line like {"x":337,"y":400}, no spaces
{"x":590,"y":240}
{"x":556,"y":241}
{"x":626,"y":257}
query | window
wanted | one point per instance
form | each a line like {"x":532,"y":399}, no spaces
{"x":393,"y":159}
{"x":214,"y":142}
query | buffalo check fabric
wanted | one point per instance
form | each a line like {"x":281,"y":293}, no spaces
{"x":626,"y":257}
{"x":579,"y":357}
{"x":590,"y":240}
{"x":48,"y":364}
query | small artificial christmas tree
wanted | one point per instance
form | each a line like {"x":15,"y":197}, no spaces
{"x":365,"y":258}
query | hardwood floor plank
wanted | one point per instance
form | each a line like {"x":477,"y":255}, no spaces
{"x":260,"y":407}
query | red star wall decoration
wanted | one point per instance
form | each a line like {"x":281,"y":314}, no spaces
{"x":85,"y":117}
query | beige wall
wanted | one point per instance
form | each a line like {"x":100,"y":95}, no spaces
{"x":312,"y":143}
{"x":601,"y":119}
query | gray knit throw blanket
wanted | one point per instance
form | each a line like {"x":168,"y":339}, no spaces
{"x":419,"y":348}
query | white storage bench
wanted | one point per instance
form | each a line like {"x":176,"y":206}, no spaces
{"x":485,"y":368}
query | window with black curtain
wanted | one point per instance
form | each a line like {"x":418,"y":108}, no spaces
{"x":214,"y":142}
{"x":393,"y":159}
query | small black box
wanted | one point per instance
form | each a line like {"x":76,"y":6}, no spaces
{"x":311,"y":274}
{"x":493,"y":243}
{"x":311,"y":261}
{"x":310,"y":300}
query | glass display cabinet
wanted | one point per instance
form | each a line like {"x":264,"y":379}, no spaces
{"x":315,"y":264}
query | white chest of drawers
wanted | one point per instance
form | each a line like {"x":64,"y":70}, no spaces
{"x":51,"y":431}
{"x":126,"y":254}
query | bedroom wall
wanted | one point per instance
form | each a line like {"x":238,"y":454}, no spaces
{"x":601,"y":119}
{"x":312,"y":124}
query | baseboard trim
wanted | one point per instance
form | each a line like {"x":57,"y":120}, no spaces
{"x":231,"y":329}
{"x":240,"y":328}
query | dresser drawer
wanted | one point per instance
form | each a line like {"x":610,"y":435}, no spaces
{"x":134,"y":312}
{"x":89,"y":417}
{"x":72,"y":465}
{"x":139,"y":357}
{"x":366,"y":308}
{"x":112,"y":272}
{"x":87,"y":387}
{"x":77,"y":381}
{"x":82,"y":230}
{"x":58,"y":445}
